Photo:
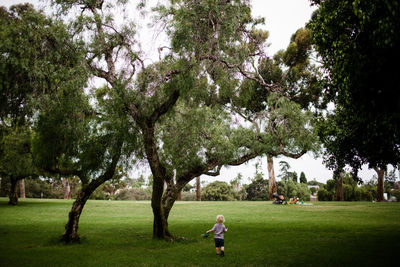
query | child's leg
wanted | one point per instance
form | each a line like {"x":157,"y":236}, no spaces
{"x":222,"y":251}
{"x":217,"y":249}
{"x":222,"y":248}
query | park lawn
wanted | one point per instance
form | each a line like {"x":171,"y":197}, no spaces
{"x":119,"y":233}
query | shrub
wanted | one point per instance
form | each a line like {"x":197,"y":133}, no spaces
{"x":396,"y":193}
{"x":99,"y":194}
{"x":188,"y":196}
{"x":365,"y":194}
{"x":291,"y":189}
{"x":134,"y":194}
{"x":218,"y":191}
{"x":325,"y":195}
{"x":301,"y":191}
{"x":347,"y":192}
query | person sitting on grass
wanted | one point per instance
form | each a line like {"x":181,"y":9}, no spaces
{"x":219,"y":229}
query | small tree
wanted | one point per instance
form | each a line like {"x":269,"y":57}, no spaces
{"x":303,"y":178}
{"x":257,"y":189}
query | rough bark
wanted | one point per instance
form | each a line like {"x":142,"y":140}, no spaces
{"x":13,"y":196}
{"x":71,"y":228}
{"x":160,"y":225}
{"x":380,"y":189}
{"x":198,"y":189}
{"x":22,"y":188}
{"x":339,"y":189}
{"x":271,"y":175}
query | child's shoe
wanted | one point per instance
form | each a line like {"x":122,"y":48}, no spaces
{"x":222,"y":253}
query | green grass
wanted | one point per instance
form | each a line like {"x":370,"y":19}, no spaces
{"x":260,"y":234}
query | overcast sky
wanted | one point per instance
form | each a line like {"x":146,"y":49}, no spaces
{"x":282,"y":19}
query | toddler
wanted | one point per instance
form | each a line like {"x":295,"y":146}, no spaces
{"x":219,"y":229}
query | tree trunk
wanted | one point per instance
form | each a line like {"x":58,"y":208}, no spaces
{"x":198,"y":189}
{"x":339,"y":190}
{"x":22,"y":188}
{"x":71,"y":228}
{"x":381,"y":173}
{"x":271,"y":176}
{"x":13,"y":196}
{"x":67,"y":188}
{"x":160,"y":223}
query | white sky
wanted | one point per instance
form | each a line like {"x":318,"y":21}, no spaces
{"x":282,"y":19}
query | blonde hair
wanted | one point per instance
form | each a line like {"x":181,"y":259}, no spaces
{"x":220,"y":219}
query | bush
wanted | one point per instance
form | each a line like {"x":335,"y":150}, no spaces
{"x":366,"y":195}
{"x":218,"y":191}
{"x":291,"y":189}
{"x":348,"y":192}
{"x":99,"y":194}
{"x":302,"y":192}
{"x":325,"y":195}
{"x":396,"y":193}
{"x":241,"y":195}
{"x":37,"y":188}
{"x":188,"y":196}
{"x":134,"y":194}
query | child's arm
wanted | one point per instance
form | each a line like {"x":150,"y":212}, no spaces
{"x":226,"y":229}
{"x":209,"y":231}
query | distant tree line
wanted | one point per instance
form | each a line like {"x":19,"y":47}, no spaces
{"x":256,"y":190}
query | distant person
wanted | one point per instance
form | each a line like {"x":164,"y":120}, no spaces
{"x":278,"y":199}
{"x":219,"y":229}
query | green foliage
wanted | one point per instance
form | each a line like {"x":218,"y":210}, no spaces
{"x":359,"y":49}
{"x":187,"y":188}
{"x":325,"y":195}
{"x":15,"y":153}
{"x":193,"y":135}
{"x":134,"y":194}
{"x":45,"y":58}
{"x":291,"y":189}
{"x":218,"y":191}
{"x":37,"y":57}
{"x":257,"y":189}
{"x":39,"y":188}
{"x":351,"y":190}
{"x":188,"y":196}
{"x":396,"y":193}
{"x":303,"y":178}
{"x":213,"y":27}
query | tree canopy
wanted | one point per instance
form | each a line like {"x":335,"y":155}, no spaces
{"x":358,"y":43}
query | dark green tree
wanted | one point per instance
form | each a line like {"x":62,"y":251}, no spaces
{"x":37,"y":56}
{"x":303,"y":178}
{"x":257,"y":189}
{"x":358,"y":45}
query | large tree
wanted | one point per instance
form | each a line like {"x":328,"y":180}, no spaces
{"x":36,"y":57}
{"x":358,"y":44}
{"x":182,"y":103}
{"x":294,"y":75}
{"x":199,"y":53}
